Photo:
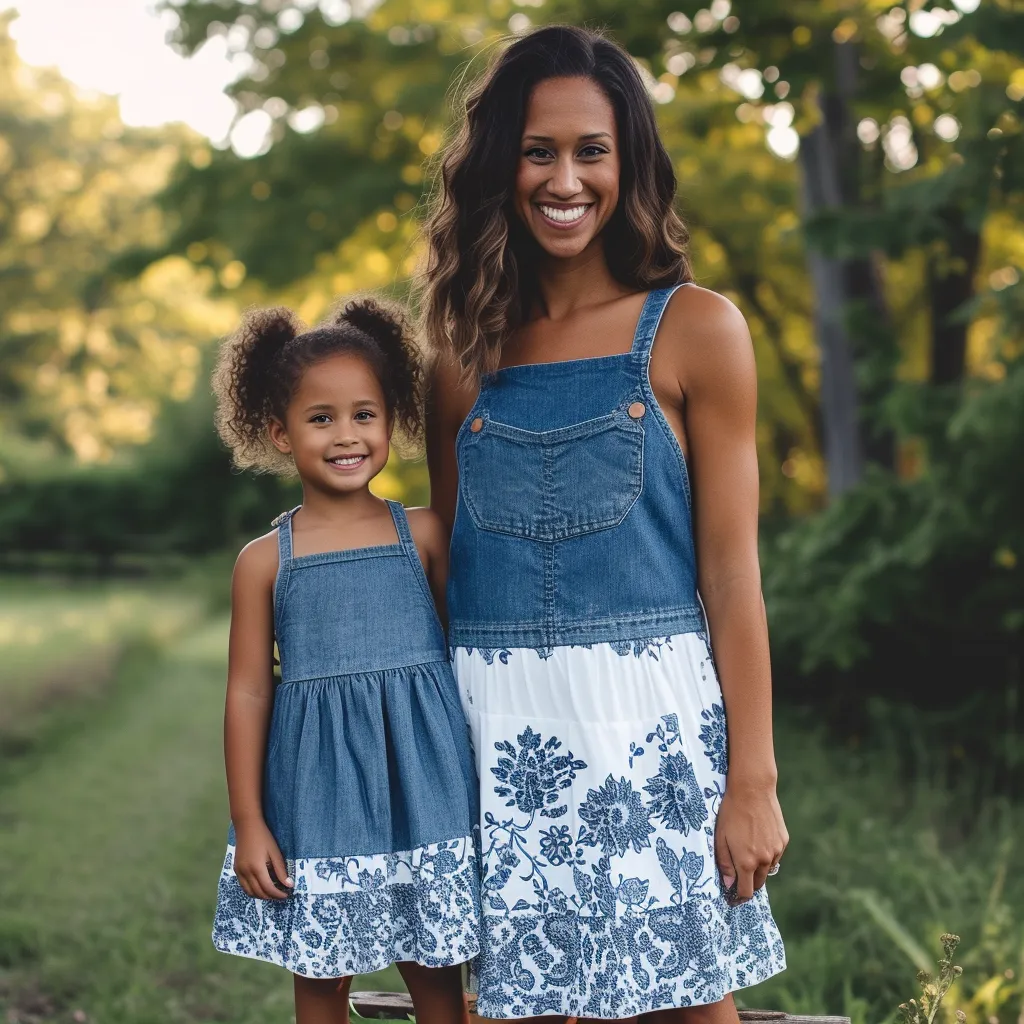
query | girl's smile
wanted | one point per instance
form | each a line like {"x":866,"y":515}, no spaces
{"x":346,"y":462}
{"x":337,"y":429}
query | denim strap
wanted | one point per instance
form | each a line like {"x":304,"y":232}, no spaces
{"x":284,"y":536}
{"x":650,"y":318}
{"x":284,"y":558}
{"x":409,"y":546}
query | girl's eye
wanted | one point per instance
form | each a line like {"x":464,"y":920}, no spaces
{"x":320,"y":418}
{"x":364,"y":416}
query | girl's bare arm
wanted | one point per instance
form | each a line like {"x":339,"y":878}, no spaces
{"x":250,"y":700}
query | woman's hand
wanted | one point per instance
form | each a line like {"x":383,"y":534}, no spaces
{"x":256,"y":856}
{"x":750,"y":837}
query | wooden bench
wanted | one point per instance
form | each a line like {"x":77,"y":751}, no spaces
{"x":398,"y":1006}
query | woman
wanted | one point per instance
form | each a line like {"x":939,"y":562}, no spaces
{"x":622,"y":875}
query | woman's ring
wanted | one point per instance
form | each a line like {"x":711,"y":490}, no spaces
{"x":774,"y":869}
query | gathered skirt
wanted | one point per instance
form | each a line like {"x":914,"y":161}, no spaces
{"x":371,"y":794}
{"x":601,"y":771}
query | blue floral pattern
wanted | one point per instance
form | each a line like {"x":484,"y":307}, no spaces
{"x":677,"y":797}
{"x":615,"y":818}
{"x":600,"y":893}
{"x":651,"y":646}
{"x":534,"y":774}
{"x":713,"y":736}
{"x":354,"y":915}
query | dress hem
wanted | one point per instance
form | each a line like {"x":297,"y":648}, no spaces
{"x":670,"y":1004}
{"x":378,"y":965}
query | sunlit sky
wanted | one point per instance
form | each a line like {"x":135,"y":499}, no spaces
{"x":119,"y":47}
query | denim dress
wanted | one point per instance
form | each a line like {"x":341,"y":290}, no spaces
{"x":369,"y":786}
{"x":585,"y":670}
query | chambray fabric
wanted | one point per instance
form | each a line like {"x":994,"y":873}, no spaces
{"x":581,"y":511}
{"x":368,"y":750}
{"x":369,"y":786}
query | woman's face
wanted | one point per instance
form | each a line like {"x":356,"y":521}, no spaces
{"x":567,"y":183}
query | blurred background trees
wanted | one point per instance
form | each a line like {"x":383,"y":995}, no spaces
{"x":852,"y":172}
{"x":853,"y":175}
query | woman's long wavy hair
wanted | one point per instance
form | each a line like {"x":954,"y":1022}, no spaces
{"x":479,"y":281}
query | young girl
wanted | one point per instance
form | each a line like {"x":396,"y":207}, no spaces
{"x":592,"y":450}
{"x":351,"y":782}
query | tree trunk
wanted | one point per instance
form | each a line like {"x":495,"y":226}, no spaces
{"x":839,"y":407}
{"x":852,"y":320}
{"x":950,"y":285}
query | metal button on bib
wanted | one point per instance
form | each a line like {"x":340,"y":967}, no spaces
{"x":636,"y":410}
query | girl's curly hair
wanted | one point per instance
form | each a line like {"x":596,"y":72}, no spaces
{"x":479,"y":281}
{"x":261,"y":364}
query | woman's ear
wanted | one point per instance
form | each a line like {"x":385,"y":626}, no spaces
{"x":279,"y":436}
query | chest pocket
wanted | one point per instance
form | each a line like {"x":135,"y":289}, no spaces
{"x":556,"y":484}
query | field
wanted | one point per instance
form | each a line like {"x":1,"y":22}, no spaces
{"x":112,"y":823}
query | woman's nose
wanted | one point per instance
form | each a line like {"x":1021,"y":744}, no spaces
{"x":565,"y":183}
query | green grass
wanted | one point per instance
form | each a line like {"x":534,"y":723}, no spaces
{"x":878,"y":869}
{"x":112,"y":833}
{"x":62,"y":642}
{"x":113,"y":847}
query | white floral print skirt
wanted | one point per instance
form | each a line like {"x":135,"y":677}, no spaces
{"x":601,"y":773}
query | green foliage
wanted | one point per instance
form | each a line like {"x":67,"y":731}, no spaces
{"x":177,"y":495}
{"x":934,"y":989}
{"x":87,"y":359}
{"x":884,"y":859}
{"x":911,"y":587}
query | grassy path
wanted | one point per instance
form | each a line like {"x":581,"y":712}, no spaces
{"x":109,"y":853}
{"x":112,"y":830}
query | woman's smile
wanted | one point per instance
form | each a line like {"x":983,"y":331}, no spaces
{"x":562,"y":216}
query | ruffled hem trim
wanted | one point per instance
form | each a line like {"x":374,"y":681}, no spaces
{"x":418,"y":906}
{"x":623,"y":979}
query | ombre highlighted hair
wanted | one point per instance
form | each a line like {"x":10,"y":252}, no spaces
{"x":480,"y":279}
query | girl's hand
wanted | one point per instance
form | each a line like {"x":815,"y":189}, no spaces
{"x":750,"y":838}
{"x":256,"y":856}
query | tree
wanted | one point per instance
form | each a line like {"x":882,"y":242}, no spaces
{"x":86,"y":358}
{"x":907,"y":147}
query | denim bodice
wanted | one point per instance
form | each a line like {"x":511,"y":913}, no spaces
{"x":360,"y":610}
{"x":573,"y":518}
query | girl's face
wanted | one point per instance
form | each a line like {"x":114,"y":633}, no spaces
{"x":337,"y":428}
{"x":567,"y":182}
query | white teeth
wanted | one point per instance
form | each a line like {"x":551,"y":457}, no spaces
{"x":348,"y":460}
{"x":564,"y":216}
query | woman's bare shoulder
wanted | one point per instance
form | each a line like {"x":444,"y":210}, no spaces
{"x":706,"y":337}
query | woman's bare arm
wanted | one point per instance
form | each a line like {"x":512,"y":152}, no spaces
{"x":448,"y":403}
{"x":713,"y":353}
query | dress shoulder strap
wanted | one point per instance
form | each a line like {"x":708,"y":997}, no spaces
{"x":284,"y":561}
{"x":284,"y":536}
{"x":402,"y":525}
{"x":409,"y":546}
{"x":650,"y":319}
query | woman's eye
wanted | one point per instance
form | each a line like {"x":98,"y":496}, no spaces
{"x":592,"y":151}
{"x":538,"y":153}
